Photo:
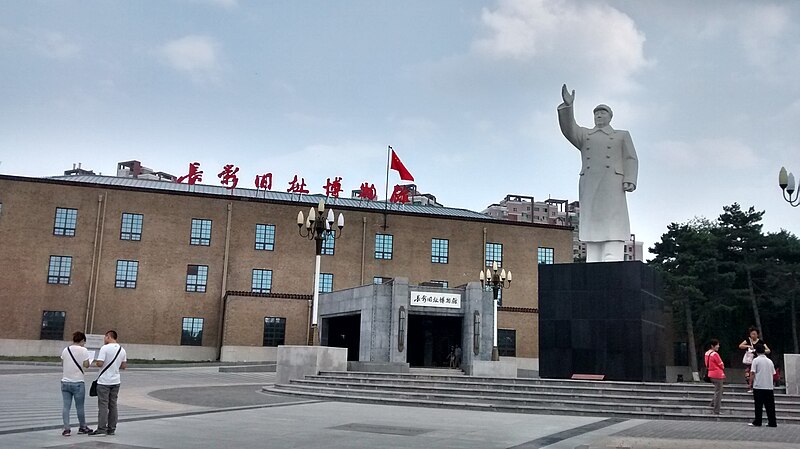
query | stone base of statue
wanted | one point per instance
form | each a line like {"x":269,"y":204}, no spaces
{"x":601,"y":319}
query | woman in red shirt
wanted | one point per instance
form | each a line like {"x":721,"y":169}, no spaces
{"x":716,"y":372}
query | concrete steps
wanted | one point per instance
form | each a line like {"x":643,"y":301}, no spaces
{"x":570,"y":397}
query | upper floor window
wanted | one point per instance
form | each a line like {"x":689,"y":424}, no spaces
{"x":274,"y":331}
{"x":127,"y":272}
{"x":196,"y":278}
{"x":265,"y":237}
{"x":440,"y":250}
{"x":380,"y":280}
{"x":52,"y":325}
{"x":383,"y":246}
{"x":545,"y":255}
{"x":494,"y":253}
{"x":192,"y":331}
{"x":66,"y":221}
{"x":328,"y":244}
{"x":201,"y":232}
{"x":325,"y":282}
{"x":131,"y":228}
{"x":59,"y":270}
{"x":262,"y":281}
{"x":439,"y":283}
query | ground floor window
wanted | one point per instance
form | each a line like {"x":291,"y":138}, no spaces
{"x":274,"y":331}
{"x":680,"y":350}
{"x":52,"y":325}
{"x":192,"y":333}
{"x":507,"y":342}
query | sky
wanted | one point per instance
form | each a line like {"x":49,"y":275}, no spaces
{"x":465,"y":91}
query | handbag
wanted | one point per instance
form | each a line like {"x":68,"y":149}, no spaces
{"x":748,"y":358}
{"x":93,"y":388}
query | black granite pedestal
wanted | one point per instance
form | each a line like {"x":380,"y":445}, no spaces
{"x":601,"y":318}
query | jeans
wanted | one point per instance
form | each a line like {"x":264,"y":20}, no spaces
{"x":107,"y":407}
{"x":70,"y":391}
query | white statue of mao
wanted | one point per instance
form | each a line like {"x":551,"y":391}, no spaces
{"x":609,"y":169}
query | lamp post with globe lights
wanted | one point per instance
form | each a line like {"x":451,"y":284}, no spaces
{"x":496,"y":281}
{"x":786,"y":182}
{"x":318,"y":227}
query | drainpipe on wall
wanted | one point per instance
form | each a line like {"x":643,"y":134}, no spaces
{"x":363,"y":246}
{"x":94,"y":256}
{"x":99,"y":261}
{"x":224,"y":294}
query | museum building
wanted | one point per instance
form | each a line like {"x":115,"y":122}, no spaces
{"x":200,"y":272}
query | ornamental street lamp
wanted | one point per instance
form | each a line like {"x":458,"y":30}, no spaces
{"x":496,"y":281}
{"x":318,"y":228}
{"x":787,"y":185}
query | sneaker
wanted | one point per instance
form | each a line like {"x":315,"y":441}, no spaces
{"x":754,"y":425}
{"x":66,"y":432}
{"x":98,"y":433}
{"x":84,"y":430}
{"x":110,"y":432}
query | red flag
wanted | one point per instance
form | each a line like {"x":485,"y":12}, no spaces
{"x":405,"y":175}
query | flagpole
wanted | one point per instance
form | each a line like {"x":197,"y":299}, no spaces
{"x":386,"y":198}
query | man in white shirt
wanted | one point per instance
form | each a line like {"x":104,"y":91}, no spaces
{"x":761,"y":373}
{"x":111,"y":358}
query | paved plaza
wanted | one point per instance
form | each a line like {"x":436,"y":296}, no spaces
{"x":199,"y":407}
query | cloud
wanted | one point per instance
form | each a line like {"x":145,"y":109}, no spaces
{"x":53,"y":45}
{"x":761,"y":34}
{"x":195,"y":55}
{"x":706,"y":154}
{"x":581,"y":36}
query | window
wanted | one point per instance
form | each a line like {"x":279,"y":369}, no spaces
{"x":507,"y":342}
{"x":274,"y":331}
{"x":545,"y":255}
{"x":442,"y":284}
{"x":66,"y":220}
{"x":196,"y":278}
{"x":127,"y":271}
{"x":201,"y":232}
{"x":439,"y":250}
{"x":383,"y":246}
{"x":265,"y":237}
{"x":192,"y":332}
{"x":328,"y":244}
{"x":494,"y":253}
{"x":52,"y":325}
{"x":131,"y":228}
{"x":380,"y":280}
{"x":680,"y":351}
{"x":59,"y":271}
{"x":325,"y":282}
{"x":262,"y":281}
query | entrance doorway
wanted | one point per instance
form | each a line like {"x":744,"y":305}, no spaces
{"x":344,"y":332}
{"x":430,"y":339}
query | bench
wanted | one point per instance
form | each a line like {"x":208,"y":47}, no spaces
{"x":588,"y":377}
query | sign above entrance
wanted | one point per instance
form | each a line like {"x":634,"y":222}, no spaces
{"x":434,"y":299}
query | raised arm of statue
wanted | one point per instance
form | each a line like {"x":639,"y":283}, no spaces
{"x":568,"y":98}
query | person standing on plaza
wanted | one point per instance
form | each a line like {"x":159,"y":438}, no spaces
{"x":716,"y":373}
{"x":111,"y":358}
{"x":761,"y":382}
{"x":749,"y":345}
{"x":74,"y":358}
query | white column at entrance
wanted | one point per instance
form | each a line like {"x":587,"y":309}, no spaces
{"x":495,"y":353}
{"x":315,"y":302}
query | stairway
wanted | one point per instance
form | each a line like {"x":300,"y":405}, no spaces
{"x":453,"y":389}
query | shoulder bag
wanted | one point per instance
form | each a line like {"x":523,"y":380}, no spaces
{"x":93,"y":388}
{"x":705,"y":375}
